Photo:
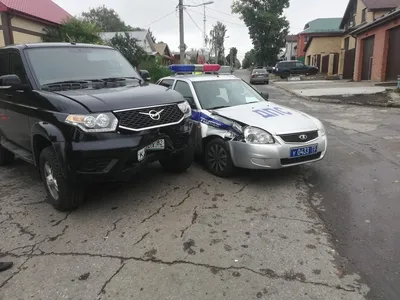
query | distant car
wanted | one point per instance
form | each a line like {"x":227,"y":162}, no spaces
{"x":293,"y":67}
{"x":259,"y":76}
{"x":225,"y":70}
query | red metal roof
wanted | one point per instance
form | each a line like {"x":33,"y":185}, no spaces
{"x":46,"y":10}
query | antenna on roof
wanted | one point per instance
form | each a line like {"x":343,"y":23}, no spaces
{"x":70,"y":39}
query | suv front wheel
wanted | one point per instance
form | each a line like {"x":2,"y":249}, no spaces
{"x":61,"y":194}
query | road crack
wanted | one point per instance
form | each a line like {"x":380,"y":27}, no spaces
{"x":24,"y":230}
{"x":188,"y":194}
{"x":296,"y":219}
{"x":141,"y":239}
{"x":103,"y":288}
{"x":153,"y":214}
{"x":63,"y":219}
{"x":15,"y":273}
{"x":194,"y":218}
{"x":112,"y":229}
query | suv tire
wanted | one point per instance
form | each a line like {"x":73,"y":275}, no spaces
{"x":6,"y":157}
{"x":61,"y":194}
{"x":179,"y":162}
{"x":285,"y":75}
{"x":218,"y":159}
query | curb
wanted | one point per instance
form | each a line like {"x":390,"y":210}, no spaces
{"x":337,"y":101}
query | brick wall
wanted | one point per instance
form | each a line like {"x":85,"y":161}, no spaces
{"x":301,"y":43}
{"x":380,"y":51}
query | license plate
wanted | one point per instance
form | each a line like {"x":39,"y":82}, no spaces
{"x":303,"y":151}
{"x":260,"y":75}
{"x":157,"y":145}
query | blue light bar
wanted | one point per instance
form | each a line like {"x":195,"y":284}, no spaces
{"x":182,"y":68}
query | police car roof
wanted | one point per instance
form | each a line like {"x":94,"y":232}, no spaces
{"x":204,"y":77}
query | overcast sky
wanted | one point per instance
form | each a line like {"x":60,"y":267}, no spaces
{"x":160,"y":16}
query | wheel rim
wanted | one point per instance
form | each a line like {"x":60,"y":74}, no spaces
{"x":51,"y":181}
{"x":217,"y":158}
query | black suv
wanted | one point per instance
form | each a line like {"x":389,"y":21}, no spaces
{"x":81,"y":113}
{"x":293,"y":67}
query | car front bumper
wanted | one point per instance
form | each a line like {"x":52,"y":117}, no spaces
{"x":273,"y":156}
{"x":114,"y":156}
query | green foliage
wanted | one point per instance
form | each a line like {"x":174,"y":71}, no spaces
{"x":156,"y":70}
{"x":107,"y":19}
{"x":267,"y":26}
{"x":232,"y":55}
{"x":129,"y":48}
{"x":74,"y":30}
{"x":237,"y":64}
{"x":249,"y":59}
{"x":217,"y":39}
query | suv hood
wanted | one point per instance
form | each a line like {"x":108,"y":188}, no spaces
{"x":109,"y":99}
{"x":274,"y":118}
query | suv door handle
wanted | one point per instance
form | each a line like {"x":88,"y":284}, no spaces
{"x":8,"y":95}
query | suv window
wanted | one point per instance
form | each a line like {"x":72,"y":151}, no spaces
{"x":3,"y":64}
{"x":167,"y":82}
{"x":299,"y":65}
{"x":16,"y":66}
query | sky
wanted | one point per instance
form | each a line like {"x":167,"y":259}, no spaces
{"x":162,"y":18}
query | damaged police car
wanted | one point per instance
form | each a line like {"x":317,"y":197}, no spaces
{"x":238,"y":127}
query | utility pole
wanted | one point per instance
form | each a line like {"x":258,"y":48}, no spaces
{"x":204,"y":27}
{"x":181,"y":34}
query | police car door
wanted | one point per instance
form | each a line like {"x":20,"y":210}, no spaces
{"x":187,"y":92}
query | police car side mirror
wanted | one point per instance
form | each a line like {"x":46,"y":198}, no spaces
{"x":265,"y":95}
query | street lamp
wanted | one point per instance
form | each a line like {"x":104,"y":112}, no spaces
{"x":204,"y":19}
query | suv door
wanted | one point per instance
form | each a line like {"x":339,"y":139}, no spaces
{"x":300,"y":68}
{"x":17,"y":106}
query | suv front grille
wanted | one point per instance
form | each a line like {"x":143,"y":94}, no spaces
{"x":295,"y":137}
{"x":138,"y":119}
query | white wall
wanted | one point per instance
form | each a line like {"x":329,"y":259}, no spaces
{"x":290,"y":51}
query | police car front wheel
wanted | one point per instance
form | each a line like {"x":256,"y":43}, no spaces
{"x":218,"y":159}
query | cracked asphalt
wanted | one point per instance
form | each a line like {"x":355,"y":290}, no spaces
{"x":260,"y":235}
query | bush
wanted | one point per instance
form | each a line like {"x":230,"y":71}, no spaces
{"x":156,"y":70}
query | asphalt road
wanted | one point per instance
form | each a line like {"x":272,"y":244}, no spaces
{"x":194,"y":236}
{"x":358,"y":186}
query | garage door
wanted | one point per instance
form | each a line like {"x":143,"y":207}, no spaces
{"x":393,"y":59}
{"x":367,"y":57}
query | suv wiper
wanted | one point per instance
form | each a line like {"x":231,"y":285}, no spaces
{"x":113,"y":79}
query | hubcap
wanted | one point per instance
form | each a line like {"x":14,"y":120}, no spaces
{"x":51,"y":181}
{"x":217,"y":158}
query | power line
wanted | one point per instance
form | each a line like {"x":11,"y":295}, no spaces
{"x":167,"y":15}
{"x":230,"y":15}
{"x":223,"y":21}
{"x":193,"y":21}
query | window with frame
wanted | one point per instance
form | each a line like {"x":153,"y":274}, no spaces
{"x":167,"y":82}
{"x":347,"y":43}
{"x":364,"y":15}
{"x":16,"y":66}
{"x":300,"y":64}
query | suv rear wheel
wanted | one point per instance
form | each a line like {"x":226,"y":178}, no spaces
{"x":6,"y":157}
{"x":285,"y":75}
{"x":61,"y":194}
{"x":179,"y":162}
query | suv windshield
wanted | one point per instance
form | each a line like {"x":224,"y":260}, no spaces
{"x":58,"y":64}
{"x":225,"y":93}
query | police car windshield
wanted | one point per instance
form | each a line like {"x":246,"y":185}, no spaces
{"x":225,"y":93}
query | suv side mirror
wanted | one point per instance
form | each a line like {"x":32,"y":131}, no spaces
{"x":265,"y":95}
{"x":145,"y":75}
{"x":11,"y":80}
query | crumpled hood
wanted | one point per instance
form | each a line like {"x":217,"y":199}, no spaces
{"x":108,"y":99}
{"x":272,"y":117}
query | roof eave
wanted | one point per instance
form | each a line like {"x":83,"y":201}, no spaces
{"x":346,"y":12}
{"x":33,"y":18}
{"x":383,"y":20}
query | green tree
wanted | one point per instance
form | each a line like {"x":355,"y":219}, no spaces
{"x":217,"y":40}
{"x":107,"y":19}
{"x":129,"y":48}
{"x":74,"y":30}
{"x":231,"y":57}
{"x":237,"y":64}
{"x":249,"y":59}
{"x":267,"y":26}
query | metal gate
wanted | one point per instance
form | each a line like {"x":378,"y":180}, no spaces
{"x":349,"y":60}
{"x":367,"y":57}
{"x":325,"y":64}
{"x":335,"y":63}
{"x":393,"y":58}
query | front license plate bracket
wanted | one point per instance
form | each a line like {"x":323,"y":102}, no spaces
{"x":303,"y":151}
{"x":154,"y":146}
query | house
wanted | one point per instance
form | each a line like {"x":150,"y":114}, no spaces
{"x":165,"y":53}
{"x":317,"y":27}
{"x":377,"y":56}
{"x":290,"y":48}
{"x":24,"y":21}
{"x":357,"y":14}
{"x":142,"y":36}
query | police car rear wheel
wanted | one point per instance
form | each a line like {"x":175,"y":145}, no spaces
{"x":218,"y":159}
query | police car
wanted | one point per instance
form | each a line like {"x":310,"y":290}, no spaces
{"x":238,"y":127}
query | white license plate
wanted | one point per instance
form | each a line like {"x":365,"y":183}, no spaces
{"x":157,"y":145}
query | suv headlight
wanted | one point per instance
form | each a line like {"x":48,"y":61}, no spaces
{"x":186,"y":109}
{"x":101,"y":122}
{"x":254,"y":135}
